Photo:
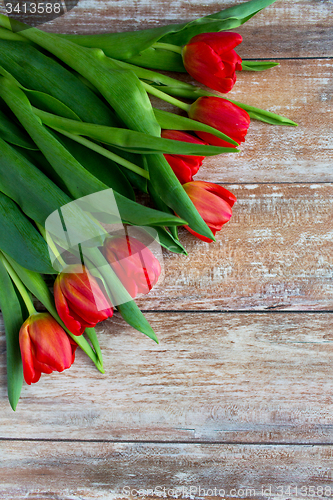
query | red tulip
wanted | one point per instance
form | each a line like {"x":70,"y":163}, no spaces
{"x":213,"y":203}
{"x":79,"y":300}
{"x":134,"y":264}
{"x":45,"y":347}
{"x":184,"y":166}
{"x":211,"y":60}
{"x":222,"y":115}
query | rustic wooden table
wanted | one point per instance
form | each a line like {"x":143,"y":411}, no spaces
{"x":238,"y":394}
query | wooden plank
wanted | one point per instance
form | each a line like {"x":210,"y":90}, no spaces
{"x":109,"y":471}
{"x":299,"y":90}
{"x":274,"y":253}
{"x":288,"y":28}
{"x":229,"y":378}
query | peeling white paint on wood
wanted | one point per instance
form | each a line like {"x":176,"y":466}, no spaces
{"x":108,"y":471}
{"x":275,"y":252}
{"x":274,"y":153}
{"x":217,"y":377}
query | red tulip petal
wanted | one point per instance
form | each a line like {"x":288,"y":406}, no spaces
{"x":52,"y":347}
{"x":220,"y":42}
{"x":127,"y":280}
{"x":217,"y":214}
{"x":31,"y":375}
{"x":135,"y":265}
{"x":211,"y":60}
{"x":213,"y":203}
{"x":222,"y":115}
{"x":179,"y":135}
{"x":233,"y":59}
{"x":183,"y":171}
{"x":202,"y":63}
{"x":197,"y":235}
{"x":184,"y":166}
{"x":44,"y":368}
{"x":218,"y":190}
{"x":85,"y":297}
{"x":71,"y":322}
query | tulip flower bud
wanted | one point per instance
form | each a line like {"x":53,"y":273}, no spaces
{"x":184,"y":166}
{"x":222,"y":115}
{"x":79,"y":300}
{"x":211,"y":60}
{"x":45,"y":347}
{"x":213,"y":203}
{"x":134,"y":264}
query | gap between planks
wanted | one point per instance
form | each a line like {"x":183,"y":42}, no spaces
{"x":165,"y":442}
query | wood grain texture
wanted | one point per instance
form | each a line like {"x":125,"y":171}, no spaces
{"x":302,"y":91}
{"x":107,"y":471}
{"x":298,"y":89}
{"x":274,"y":253}
{"x":288,"y":28}
{"x":240,"y":378}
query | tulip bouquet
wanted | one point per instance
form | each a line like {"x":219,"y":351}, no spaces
{"x":79,"y":138}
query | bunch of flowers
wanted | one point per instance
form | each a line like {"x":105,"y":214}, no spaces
{"x":79,"y":138}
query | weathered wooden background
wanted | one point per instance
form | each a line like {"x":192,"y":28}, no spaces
{"x":238,"y":394}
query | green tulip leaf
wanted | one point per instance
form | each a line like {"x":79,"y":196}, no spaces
{"x":258,"y":65}
{"x":136,"y":180}
{"x":176,"y":122}
{"x":265,"y":116}
{"x":44,"y":78}
{"x":161,"y":59}
{"x":125,"y":93}
{"x":136,"y":46}
{"x":13,"y":320}
{"x":35,"y":193}
{"x":9,"y":35}
{"x":138,"y":142}
{"x":20,"y":240}
{"x":172,"y":230}
{"x":78,"y":181}
{"x":13,"y":134}
{"x":49,"y":103}
{"x":103,"y":168}
{"x":164,"y":118}
{"x":104,"y":153}
{"x":227,"y":19}
{"x":167,"y":240}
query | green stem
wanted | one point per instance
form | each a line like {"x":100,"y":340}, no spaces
{"x":5,"y":34}
{"x":104,"y":152}
{"x":167,"y":46}
{"x":51,"y":244}
{"x":91,"y":334}
{"x":153,"y":76}
{"x":165,"y":97}
{"x":19,"y":285}
{"x":255,"y":113}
